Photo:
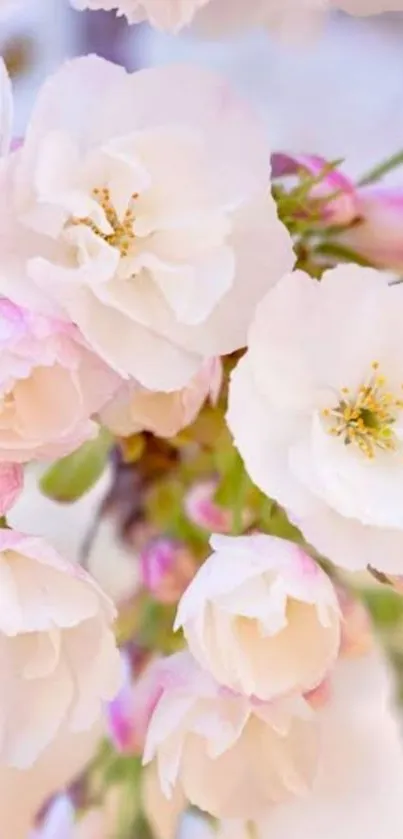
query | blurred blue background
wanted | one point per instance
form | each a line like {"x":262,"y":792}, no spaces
{"x":340,"y":96}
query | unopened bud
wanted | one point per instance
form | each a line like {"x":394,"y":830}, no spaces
{"x":167,"y":567}
{"x":333,"y":196}
{"x":203,"y":510}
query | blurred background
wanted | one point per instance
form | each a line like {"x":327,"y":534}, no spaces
{"x":340,"y":95}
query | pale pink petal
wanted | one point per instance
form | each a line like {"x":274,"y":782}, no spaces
{"x":11,"y":483}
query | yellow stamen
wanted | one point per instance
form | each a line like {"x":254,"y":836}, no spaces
{"x":122,"y":235}
{"x":367,"y":419}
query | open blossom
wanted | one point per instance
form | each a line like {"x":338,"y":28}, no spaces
{"x":231,"y":755}
{"x":143,"y":215}
{"x":50,"y":385}
{"x":357,"y":791}
{"x":163,"y":814}
{"x":135,"y":409}
{"x":57,"y":649}
{"x":316,"y":410}
{"x":11,"y":483}
{"x":24,"y":792}
{"x":261,"y":616}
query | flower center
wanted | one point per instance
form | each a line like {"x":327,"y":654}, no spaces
{"x":366,"y":418}
{"x":122,"y":234}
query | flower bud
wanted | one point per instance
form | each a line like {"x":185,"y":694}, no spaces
{"x":167,"y":567}
{"x":203,"y":510}
{"x":333,"y":197}
{"x":129,"y":714}
{"x":377,"y":235}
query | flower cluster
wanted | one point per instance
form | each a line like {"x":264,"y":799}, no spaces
{"x":217,"y":327}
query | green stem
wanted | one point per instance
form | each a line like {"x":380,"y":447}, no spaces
{"x":382,"y":169}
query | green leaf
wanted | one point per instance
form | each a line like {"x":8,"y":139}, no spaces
{"x":382,"y":169}
{"x":385,"y":606}
{"x":72,"y":476}
{"x":275,"y":522}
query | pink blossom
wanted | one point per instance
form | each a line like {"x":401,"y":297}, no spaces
{"x":261,"y":616}
{"x":163,"y":814}
{"x":24,"y":792}
{"x":167,"y":568}
{"x":144,"y":216}
{"x":57,"y":650}
{"x":11,"y":482}
{"x":314,"y":349}
{"x":50,"y":385}
{"x":231,"y":755}
{"x":134,"y":408}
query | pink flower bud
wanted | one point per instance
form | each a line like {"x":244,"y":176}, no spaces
{"x":377,"y":235}
{"x":202,"y":509}
{"x":11,"y":482}
{"x":336,"y":194}
{"x":167,"y":568}
{"x":130,"y":712}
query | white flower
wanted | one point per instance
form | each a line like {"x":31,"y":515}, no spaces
{"x":143,"y":215}
{"x":231,"y":755}
{"x":358,"y":789}
{"x":163,"y":814}
{"x":57,"y":651}
{"x":23,"y":792}
{"x":261,"y":616}
{"x":133,"y":408}
{"x":316,"y":410}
